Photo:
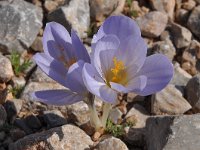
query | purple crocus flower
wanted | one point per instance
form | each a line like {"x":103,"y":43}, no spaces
{"x":119,"y":62}
{"x":62,"y":60}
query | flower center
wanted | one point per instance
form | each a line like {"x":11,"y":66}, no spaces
{"x":118,"y":73}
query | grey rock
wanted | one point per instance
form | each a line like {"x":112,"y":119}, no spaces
{"x":17,"y":134}
{"x":60,"y":138}
{"x":169,"y":101}
{"x":182,"y":16}
{"x":75,"y":14}
{"x":166,"y":6}
{"x":198,"y":1}
{"x":173,"y":133}
{"x":164,"y":47}
{"x":193,"y":21}
{"x":152,"y":24}
{"x":18,"y":81}
{"x":112,"y":143}
{"x":37,"y":44}
{"x":2,"y":135}
{"x":193,"y":92}
{"x":181,"y":35}
{"x":54,"y":118}
{"x":189,"y":5}
{"x":21,"y":123}
{"x":20,"y":22}
{"x":6,"y":71}
{"x":33,"y":122}
{"x":3,"y":116}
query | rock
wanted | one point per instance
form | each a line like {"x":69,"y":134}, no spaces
{"x":181,"y":35}
{"x":12,"y":108}
{"x":60,"y":138}
{"x":180,"y":77}
{"x":37,"y":86}
{"x":3,"y":116}
{"x":17,"y":134}
{"x":21,"y":123}
{"x":132,"y":97}
{"x":164,"y":47}
{"x":182,"y":16}
{"x":33,"y":122}
{"x":193,"y":21}
{"x":198,"y":1}
{"x":75,"y":14}
{"x":2,"y":135}
{"x":20,"y":23}
{"x":37,"y":44}
{"x":101,"y":8}
{"x":18,"y":81}
{"x":189,"y":5}
{"x":111,"y":143}
{"x":54,"y":118}
{"x":50,"y":5}
{"x":6,"y":71}
{"x":169,"y":101}
{"x":152,"y":24}
{"x":166,"y":6}
{"x":173,"y":133}
{"x":193,"y":92}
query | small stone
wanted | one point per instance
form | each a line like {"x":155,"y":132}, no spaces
{"x":18,"y":81}
{"x":67,"y":137}
{"x":152,"y":24}
{"x":112,"y":144}
{"x":2,"y":135}
{"x":50,"y":5}
{"x":169,"y":101}
{"x":182,"y":16}
{"x":189,"y":5}
{"x":54,"y":118}
{"x":181,"y":35}
{"x":17,"y":134}
{"x":132,"y":97}
{"x":198,"y":1}
{"x":21,"y":123}
{"x":75,"y":14}
{"x":3,"y":116}
{"x":7,"y":141}
{"x":37,"y":44}
{"x":193,"y":21}
{"x":6,"y":71}
{"x":33,"y":122}
{"x":166,"y":6}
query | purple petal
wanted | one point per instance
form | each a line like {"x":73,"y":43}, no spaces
{"x":53,"y":68}
{"x":80,"y":49}
{"x":121,"y":26}
{"x":57,"y":42}
{"x":159,"y":71}
{"x":57,"y":97}
{"x":96,"y":85}
{"x":135,"y":85}
{"x":74,"y":78}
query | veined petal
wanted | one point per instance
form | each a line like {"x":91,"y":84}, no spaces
{"x":74,"y":78}
{"x":95,"y":84}
{"x":159,"y":71}
{"x":53,"y":68}
{"x":80,"y":49}
{"x":57,"y":97}
{"x":57,"y":42}
{"x":121,"y":26}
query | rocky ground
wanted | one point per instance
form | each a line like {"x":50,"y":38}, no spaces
{"x":167,"y":120}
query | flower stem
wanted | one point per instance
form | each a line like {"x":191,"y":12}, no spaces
{"x":94,"y":119}
{"x":106,"y":111}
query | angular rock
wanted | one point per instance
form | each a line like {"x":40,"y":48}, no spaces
{"x":193,"y":21}
{"x":181,"y":35}
{"x":33,"y":122}
{"x":60,"y":138}
{"x":198,"y":1}
{"x":54,"y":118}
{"x":18,"y":81}
{"x":17,"y":134}
{"x":166,"y":6}
{"x":21,"y":123}
{"x":152,"y":24}
{"x":37,"y":44}
{"x":75,"y":14}
{"x":169,"y":101}
{"x":112,"y":143}
{"x":2,"y":135}
{"x":3,"y":116}
{"x":173,"y":133}
{"x":6,"y":71}
{"x":193,"y":92}
{"x":20,"y":23}
{"x":182,"y":16}
{"x":189,"y":5}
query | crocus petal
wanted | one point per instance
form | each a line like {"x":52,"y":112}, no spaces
{"x":96,"y":85}
{"x":57,"y":42}
{"x":121,"y":26}
{"x":135,"y":85}
{"x":80,"y":49}
{"x":159,"y":71}
{"x":103,"y":52}
{"x":57,"y":97}
{"x":53,"y":68}
{"x":74,"y":78}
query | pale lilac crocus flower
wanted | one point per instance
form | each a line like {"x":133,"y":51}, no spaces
{"x":119,"y":62}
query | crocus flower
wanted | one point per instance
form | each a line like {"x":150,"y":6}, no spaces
{"x":62,"y":60}
{"x":119,"y":62}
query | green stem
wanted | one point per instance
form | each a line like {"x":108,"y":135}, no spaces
{"x":106,"y":111}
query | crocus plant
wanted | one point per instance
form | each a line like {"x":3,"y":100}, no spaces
{"x":118,"y":64}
